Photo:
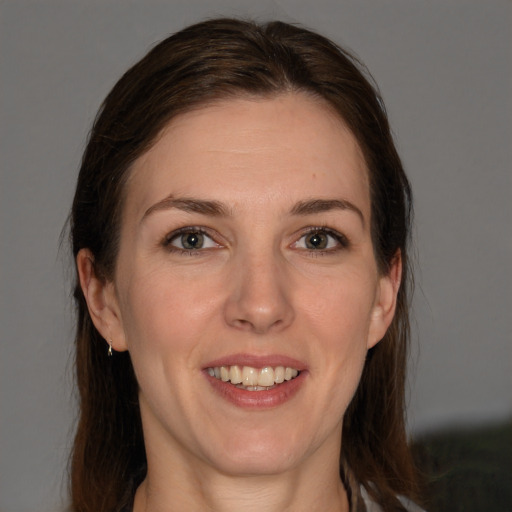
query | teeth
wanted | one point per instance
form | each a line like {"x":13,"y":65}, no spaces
{"x":290,"y":373}
{"x":266,"y":377}
{"x":235,"y":375}
{"x":249,"y":376}
{"x":224,"y":373}
{"x":253,"y":379}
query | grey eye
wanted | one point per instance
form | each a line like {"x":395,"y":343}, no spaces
{"x":317,"y":240}
{"x":191,"y":240}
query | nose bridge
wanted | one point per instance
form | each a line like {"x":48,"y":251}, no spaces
{"x":260,"y":298}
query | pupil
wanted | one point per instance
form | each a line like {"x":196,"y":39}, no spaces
{"x":317,"y":241}
{"x":192,"y":240}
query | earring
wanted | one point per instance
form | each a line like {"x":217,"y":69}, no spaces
{"x":110,"y":352}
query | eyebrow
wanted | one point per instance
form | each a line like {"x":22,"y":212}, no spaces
{"x":212,"y":208}
{"x":218,"y":209}
{"x":324,"y":205}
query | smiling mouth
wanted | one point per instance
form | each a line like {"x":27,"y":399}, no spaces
{"x":253,"y":379}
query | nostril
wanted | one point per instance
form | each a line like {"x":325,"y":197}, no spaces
{"x":258,"y":327}
{"x":242,"y":324}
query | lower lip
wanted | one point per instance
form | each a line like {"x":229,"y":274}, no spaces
{"x":264,"y":399}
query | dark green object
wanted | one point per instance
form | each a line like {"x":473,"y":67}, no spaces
{"x":467,"y":470}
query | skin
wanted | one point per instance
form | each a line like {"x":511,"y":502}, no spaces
{"x":254,"y":288}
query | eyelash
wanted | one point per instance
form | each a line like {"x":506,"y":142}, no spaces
{"x":342,"y":240}
{"x":171,"y":237}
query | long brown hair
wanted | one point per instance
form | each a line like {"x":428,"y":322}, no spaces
{"x":214,"y":60}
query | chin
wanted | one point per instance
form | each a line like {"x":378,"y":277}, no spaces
{"x":257,"y":455}
{"x":250,"y":464}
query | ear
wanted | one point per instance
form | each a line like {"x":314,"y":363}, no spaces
{"x":385,"y":301}
{"x":102,"y":302}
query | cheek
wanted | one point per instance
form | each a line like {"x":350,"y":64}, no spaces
{"x":340,"y":319}
{"x":162,"y":320}
{"x":165,"y":311}
{"x":342,"y":305}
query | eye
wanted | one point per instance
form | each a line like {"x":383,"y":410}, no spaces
{"x":321,"y":239}
{"x":190,"y":239}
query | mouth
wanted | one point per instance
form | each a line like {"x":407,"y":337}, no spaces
{"x":250,"y":378}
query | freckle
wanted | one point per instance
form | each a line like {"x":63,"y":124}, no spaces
{"x":314,"y":175}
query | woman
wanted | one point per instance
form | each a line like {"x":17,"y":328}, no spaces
{"x":240,"y":231}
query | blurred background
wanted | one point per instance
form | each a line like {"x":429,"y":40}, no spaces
{"x":445,"y":72}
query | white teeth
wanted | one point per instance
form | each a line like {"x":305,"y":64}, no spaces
{"x":249,"y":376}
{"x":254,"y":388}
{"x":266,"y":377}
{"x":235,"y":375}
{"x":224,"y":373}
{"x":253,"y":379}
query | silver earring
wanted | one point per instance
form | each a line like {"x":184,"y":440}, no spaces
{"x":110,"y":352}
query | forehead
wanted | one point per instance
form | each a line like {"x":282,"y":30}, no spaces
{"x":241,"y":150}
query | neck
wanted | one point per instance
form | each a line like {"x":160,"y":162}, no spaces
{"x":250,"y":494}
{"x":312,"y":487}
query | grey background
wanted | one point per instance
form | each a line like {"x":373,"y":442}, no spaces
{"x":445,"y":71}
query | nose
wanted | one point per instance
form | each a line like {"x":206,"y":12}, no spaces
{"x":260,"y":295}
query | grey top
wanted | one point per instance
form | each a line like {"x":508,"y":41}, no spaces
{"x":371,"y":506}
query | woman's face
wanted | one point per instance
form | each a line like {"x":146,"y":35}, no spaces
{"x":245,"y":255}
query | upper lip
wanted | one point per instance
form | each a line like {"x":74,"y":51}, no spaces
{"x":257,"y":361}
